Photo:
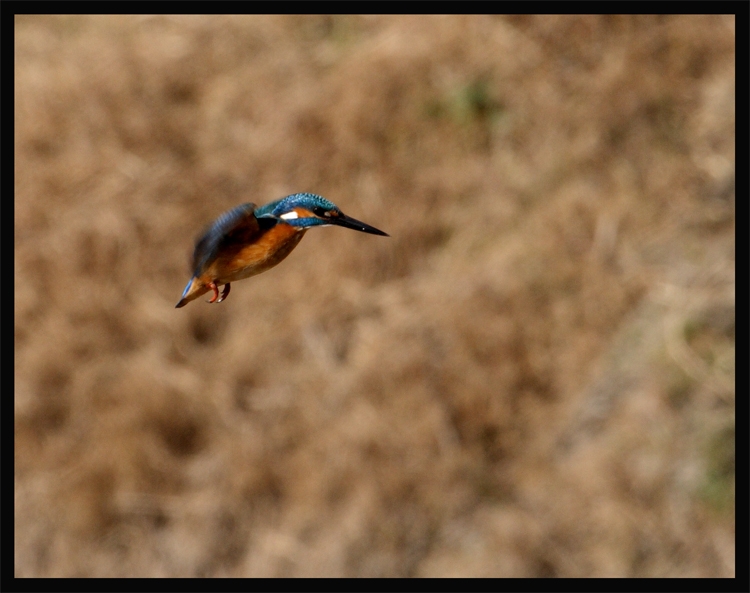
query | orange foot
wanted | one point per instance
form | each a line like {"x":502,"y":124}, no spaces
{"x":216,"y":298}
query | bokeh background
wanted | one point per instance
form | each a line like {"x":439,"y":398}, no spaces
{"x":533,"y":376}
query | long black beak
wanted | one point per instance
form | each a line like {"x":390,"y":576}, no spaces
{"x":352,"y":223}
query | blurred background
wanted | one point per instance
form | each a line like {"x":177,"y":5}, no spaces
{"x":533,"y":376}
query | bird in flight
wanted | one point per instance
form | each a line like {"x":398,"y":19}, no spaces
{"x":248,"y":240}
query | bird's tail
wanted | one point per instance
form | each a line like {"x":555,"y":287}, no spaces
{"x":192,"y":291}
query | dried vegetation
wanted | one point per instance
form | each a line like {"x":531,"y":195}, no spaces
{"x":534,"y":376}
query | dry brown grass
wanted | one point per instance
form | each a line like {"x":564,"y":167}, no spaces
{"x":532,"y":377}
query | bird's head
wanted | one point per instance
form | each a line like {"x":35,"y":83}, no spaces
{"x":308,"y":210}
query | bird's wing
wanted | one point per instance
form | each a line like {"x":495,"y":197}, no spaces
{"x":237,"y":226}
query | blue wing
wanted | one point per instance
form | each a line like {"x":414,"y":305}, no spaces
{"x":237,"y":226}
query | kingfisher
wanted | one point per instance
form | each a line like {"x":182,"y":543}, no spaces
{"x":248,"y":240}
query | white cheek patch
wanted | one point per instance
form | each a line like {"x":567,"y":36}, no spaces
{"x":290,"y":215}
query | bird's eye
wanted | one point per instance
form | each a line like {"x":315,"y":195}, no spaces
{"x":321,"y":212}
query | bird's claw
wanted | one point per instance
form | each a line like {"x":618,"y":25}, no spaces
{"x":215,"y":288}
{"x":216,"y":298}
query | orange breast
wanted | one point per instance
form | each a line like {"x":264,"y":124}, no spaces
{"x":248,"y":260}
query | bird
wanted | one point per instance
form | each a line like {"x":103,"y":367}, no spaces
{"x":248,"y":240}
